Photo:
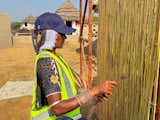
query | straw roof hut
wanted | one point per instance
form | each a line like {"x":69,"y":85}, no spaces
{"x":68,"y":11}
{"x":5,"y":31}
{"x":30,"y":19}
{"x":28,"y":23}
{"x":70,"y":15}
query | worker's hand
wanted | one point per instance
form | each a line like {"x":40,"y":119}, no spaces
{"x":106,"y":88}
{"x":101,"y":97}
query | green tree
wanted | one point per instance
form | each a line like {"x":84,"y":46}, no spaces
{"x":15,"y":25}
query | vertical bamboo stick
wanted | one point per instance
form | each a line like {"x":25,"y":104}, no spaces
{"x":81,"y":72}
{"x":90,"y":46}
{"x":83,"y":66}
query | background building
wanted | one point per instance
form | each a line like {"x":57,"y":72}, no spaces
{"x":70,"y":15}
{"x":28,"y":23}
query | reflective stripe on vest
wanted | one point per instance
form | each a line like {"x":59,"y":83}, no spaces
{"x":43,"y":115}
{"x":68,"y":89}
{"x":68,"y":86}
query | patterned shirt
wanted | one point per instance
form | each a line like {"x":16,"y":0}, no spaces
{"x":47,"y":79}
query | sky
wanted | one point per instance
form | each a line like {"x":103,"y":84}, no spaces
{"x":19,"y":9}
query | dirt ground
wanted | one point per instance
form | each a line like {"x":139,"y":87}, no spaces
{"x":17,"y":64}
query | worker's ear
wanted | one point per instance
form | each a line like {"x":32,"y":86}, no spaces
{"x":43,"y":32}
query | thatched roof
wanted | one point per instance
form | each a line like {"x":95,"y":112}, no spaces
{"x":30,"y":19}
{"x":68,"y":12}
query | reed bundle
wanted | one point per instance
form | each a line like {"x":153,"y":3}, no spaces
{"x":128,"y":53}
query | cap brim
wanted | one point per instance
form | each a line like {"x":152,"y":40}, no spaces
{"x":65,"y":29}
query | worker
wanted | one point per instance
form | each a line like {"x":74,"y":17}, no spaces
{"x":55,"y":95}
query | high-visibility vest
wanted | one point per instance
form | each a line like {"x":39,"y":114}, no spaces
{"x":68,"y":89}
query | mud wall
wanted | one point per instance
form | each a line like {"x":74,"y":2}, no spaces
{"x":5,"y":31}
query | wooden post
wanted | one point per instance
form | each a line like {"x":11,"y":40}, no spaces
{"x":83,"y":64}
{"x":90,"y":45}
{"x":128,"y":53}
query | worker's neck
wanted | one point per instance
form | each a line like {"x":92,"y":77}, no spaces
{"x":53,"y":50}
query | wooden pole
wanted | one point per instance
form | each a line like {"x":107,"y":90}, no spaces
{"x":81,"y":73}
{"x":83,"y":64}
{"x":90,"y":45}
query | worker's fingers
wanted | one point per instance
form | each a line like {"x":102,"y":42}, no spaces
{"x":111,"y":86}
{"x":106,"y":87}
{"x":108,"y":92}
{"x":105,"y":96}
{"x":101,"y":98}
{"x":108,"y":84}
{"x":111,"y":82}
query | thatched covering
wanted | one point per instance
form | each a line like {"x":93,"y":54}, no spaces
{"x":30,"y":19}
{"x":68,"y":12}
{"x":5,"y":31}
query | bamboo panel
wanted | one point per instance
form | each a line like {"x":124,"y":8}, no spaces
{"x":128,"y":53}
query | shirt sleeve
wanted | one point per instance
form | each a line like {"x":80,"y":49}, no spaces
{"x":48,"y":76}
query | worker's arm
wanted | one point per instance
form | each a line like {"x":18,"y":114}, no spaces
{"x":67,"y":105}
{"x":60,"y":107}
{"x":50,"y":85}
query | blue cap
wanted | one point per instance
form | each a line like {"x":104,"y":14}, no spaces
{"x":54,"y":22}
